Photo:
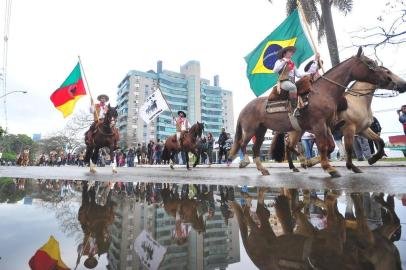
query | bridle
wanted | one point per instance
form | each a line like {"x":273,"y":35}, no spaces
{"x":359,"y":92}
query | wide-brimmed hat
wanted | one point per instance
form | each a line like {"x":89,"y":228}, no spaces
{"x":282,"y":52}
{"x":103,"y":96}
{"x":307,"y":67}
{"x":90,"y":263}
{"x":184,"y":114}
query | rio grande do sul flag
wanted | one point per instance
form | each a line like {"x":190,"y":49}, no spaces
{"x":65,"y":97}
{"x":261,"y":61}
{"x":48,"y":257}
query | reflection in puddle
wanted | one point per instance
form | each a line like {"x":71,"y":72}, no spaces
{"x":125,"y":225}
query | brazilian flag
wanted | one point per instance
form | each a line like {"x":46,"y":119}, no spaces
{"x":261,"y":61}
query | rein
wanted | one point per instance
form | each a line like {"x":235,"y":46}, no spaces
{"x":358,"y":93}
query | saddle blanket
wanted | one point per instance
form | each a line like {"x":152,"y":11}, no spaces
{"x":277,"y":106}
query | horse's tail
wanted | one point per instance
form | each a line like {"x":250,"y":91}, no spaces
{"x":237,"y":140}
{"x":277,"y":148}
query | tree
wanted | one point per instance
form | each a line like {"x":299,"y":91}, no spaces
{"x":324,"y":21}
{"x":389,"y":31}
{"x":70,"y":138}
{"x":2,"y":131}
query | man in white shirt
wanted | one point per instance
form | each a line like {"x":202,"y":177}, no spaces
{"x":288,"y":84}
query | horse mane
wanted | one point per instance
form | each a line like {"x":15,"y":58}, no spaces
{"x":332,"y":69}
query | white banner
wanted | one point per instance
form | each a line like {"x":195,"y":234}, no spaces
{"x":151,"y":253}
{"x":153,"y":106}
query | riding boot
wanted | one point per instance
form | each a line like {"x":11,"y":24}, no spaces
{"x":293,"y":103}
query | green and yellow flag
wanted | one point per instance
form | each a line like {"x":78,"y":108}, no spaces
{"x":261,"y":60}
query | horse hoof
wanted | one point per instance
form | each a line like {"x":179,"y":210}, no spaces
{"x":303,"y":165}
{"x":334,"y":174}
{"x":356,"y":169}
{"x":171,"y":166}
{"x":189,"y":169}
{"x":372,"y":160}
{"x":243,"y":164}
{"x":114,"y":171}
{"x":295,"y":170}
{"x":194,"y":165}
{"x":92,"y":170}
{"x":265,"y":172}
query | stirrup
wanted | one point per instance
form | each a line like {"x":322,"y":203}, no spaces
{"x":296,"y":112}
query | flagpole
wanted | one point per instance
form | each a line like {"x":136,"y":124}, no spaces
{"x":299,"y":6}
{"x":88,"y":88}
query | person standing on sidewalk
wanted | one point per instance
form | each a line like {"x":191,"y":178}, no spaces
{"x":402,"y":117}
{"x":308,"y":142}
{"x":210,"y":143}
{"x":222,"y":141}
{"x":376,"y":127}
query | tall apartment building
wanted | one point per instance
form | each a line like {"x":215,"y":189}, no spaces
{"x":184,"y":90}
{"x":216,"y":248}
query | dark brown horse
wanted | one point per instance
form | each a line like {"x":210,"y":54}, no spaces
{"x":189,"y":144}
{"x":318,"y":117}
{"x":105,"y":135}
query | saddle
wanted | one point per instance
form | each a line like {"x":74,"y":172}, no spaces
{"x":278,"y":99}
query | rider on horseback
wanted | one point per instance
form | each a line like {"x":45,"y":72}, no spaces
{"x":182,"y":125}
{"x":287,"y":82}
{"x":98,"y":110}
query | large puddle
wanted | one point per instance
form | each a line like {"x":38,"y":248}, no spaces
{"x":136,"y":225}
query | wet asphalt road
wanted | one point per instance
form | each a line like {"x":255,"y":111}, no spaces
{"x":384,"y":177}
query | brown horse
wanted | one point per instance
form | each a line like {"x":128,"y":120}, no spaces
{"x":341,"y":244}
{"x":106,"y":135}
{"x":24,"y":158}
{"x":318,"y":117}
{"x":189,"y":144}
{"x":356,"y":119}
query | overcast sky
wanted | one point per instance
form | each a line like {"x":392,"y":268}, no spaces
{"x":113,"y":37}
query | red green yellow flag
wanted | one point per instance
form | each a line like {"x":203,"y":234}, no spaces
{"x":66,"y":96}
{"x":48,"y":257}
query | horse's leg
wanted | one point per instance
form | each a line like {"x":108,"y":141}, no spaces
{"x":187,"y":159}
{"x":349,"y":132}
{"x":113,"y":159}
{"x":323,"y":145}
{"x":93,"y":159}
{"x":369,"y":134}
{"x":259,"y":134}
{"x":293,"y":140}
{"x":172,"y":159}
{"x":197,"y":155}
{"x":241,"y":140}
{"x":364,"y":234}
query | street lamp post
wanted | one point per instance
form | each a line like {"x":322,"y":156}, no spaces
{"x":17,"y":91}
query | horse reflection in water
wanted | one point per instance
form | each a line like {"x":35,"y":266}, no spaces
{"x":188,"y":211}
{"x":95,"y":220}
{"x":344,"y":243}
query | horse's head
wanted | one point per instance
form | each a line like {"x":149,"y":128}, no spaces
{"x":111,"y":115}
{"x":365,"y":69}
{"x":394,"y":82}
{"x":197,"y":129}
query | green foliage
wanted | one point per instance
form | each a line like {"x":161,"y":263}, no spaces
{"x":9,"y":192}
{"x":15,"y":143}
{"x":9,"y":156}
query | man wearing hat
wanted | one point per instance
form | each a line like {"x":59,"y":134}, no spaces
{"x":99,"y":110}
{"x":288,"y":84}
{"x":182,"y":124}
